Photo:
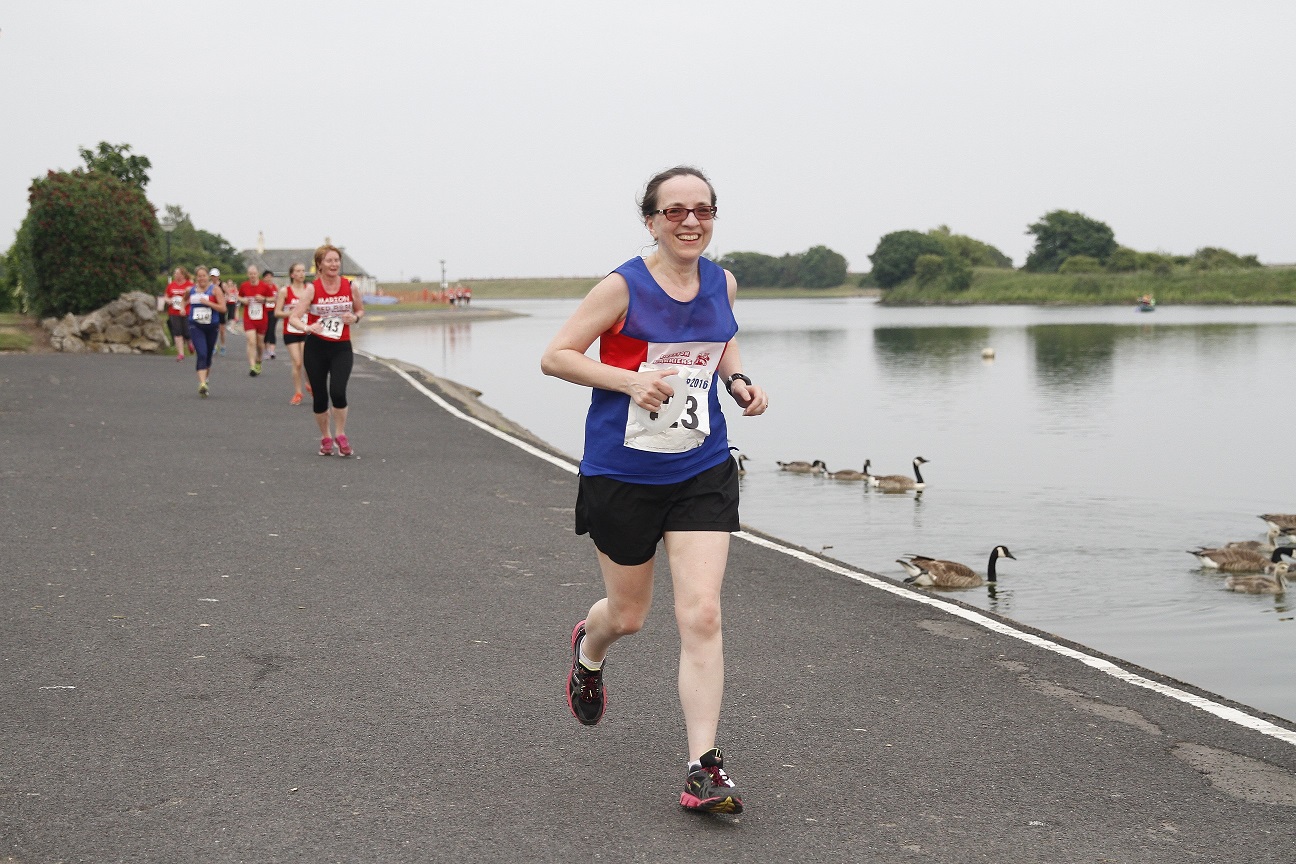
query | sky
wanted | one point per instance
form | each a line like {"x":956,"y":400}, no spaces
{"x":511,"y":139}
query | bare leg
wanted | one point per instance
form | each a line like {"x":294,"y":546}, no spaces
{"x":299,"y":375}
{"x":623,"y":610}
{"x":322,"y":421}
{"x":339,"y":422}
{"x":250,"y":337}
{"x":697,"y":562}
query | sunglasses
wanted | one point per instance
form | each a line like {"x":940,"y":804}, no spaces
{"x":679,"y":214}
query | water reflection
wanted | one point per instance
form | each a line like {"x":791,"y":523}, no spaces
{"x":1075,"y":355}
{"x":928,"y":348}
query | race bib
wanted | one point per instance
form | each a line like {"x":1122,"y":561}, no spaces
{"x":331,"y":328}
{"x":255,"y":310}
{"x":688,"y":431}
{"x":177,"y":302}
{"x":201,"y":314}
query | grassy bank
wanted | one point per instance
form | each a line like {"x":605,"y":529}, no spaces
{"x":1261,"y":287}
{"x":14,"y":332}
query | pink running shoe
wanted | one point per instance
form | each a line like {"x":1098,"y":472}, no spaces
{"x":344,"y":446}
{"x":326,"y":446}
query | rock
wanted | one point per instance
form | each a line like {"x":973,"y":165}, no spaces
{"x":141,"y":344}
{"x":145,"y":310}
{"x":116,"y":307}
{"x":118,"y":349}
{"x":125,"y":319}
{"x":95,"y":322}
{"x":155,"y":331}
{"x":72,"y":345}
{"x":117,"y":334}
{"x":49,"y":323}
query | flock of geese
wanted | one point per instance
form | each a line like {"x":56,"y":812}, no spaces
{"x":884,"y":482}
{"x":923,"y":571}
{"x":1254,"y":567}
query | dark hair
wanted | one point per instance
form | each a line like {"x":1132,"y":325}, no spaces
{"x":268,"y":273}
{"x":648,"y":203}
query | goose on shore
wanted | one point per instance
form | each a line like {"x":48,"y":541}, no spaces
{"x":741,"y":460}
{"x":1258,"y":583}
{"x":899,"y":482}
{"x":1240,"y":560}
{"x":935,"y":573}
{"x":851,"y":474}
{"x":815,"y":467}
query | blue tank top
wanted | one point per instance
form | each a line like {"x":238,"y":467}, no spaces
{"x":199,"y":313}
{"x":660,"y":331}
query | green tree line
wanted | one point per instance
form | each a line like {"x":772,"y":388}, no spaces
{"x":817,"y":267}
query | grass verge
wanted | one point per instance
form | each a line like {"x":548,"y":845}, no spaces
{"x":1269,"y":286}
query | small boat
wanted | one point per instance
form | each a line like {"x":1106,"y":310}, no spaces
{"x":1146,"y":304}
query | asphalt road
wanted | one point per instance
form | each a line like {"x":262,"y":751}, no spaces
{"x":216,"y":645}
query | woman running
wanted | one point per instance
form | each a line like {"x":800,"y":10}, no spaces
{"x":326,"y":312}
{"x":666,"y":335}
{"x":206,"y":302}
{"x":294,"y":337}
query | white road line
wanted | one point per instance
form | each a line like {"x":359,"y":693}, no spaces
{"x":1232,"y":715}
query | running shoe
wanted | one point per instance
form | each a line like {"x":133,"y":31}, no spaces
{"x":202,"y":389}
{"x":344,"y":446}
{"x":258,"y":368}
{"x":709,"y":789}
{"x":585,"y":694}
{"x":252,"y":372}
{"x":179,"y":358}
{"x":222,"y":350}
{"x":326,"y":446}
{"x":296,"y":400}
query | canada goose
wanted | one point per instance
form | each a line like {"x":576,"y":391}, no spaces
{"x":1258,"y":583}
{"x":851,"y":474}
{"x":899,"y":482}
{"x":1280,"y":523}
{"x":815,"y":467}
{"x":934,"y":573}
{"x":740,"y":459}
{"x":1240,"y":560}
{"x":1253,"y":545}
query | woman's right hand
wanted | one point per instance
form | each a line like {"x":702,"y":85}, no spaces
{"x":648,"y":390}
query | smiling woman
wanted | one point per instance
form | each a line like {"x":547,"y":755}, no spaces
{"x":666,"y":332}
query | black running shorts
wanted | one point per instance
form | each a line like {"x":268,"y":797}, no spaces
{"x":625,"y":520}
{"x":179,"y":326}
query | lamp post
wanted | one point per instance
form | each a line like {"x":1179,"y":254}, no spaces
{"x":168,"y":225}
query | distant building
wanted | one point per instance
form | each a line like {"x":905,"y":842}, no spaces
{"x":280,"y":260}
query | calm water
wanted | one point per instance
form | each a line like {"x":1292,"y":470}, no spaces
{"x":1099,"y":445}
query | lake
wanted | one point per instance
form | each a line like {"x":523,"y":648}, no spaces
{"x":1099,"y":445}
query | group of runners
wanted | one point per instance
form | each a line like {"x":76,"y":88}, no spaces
{"x":317,"y":320}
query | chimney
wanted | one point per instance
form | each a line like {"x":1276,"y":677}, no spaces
{"x":260,"y":247}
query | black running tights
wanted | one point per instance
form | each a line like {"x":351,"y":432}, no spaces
{"x":328,"y":367}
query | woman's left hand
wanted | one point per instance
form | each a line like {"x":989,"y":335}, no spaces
{"x":750,"y":397}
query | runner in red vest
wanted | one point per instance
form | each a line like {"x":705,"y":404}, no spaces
{"x":327,"y":312}
{"x":294,"y":337}
{"x":253,"y":295}
{"x":177,"y":304}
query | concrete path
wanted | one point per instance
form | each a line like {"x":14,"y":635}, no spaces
{"x":216,"y":645}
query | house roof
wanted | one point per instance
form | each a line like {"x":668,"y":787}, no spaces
{"x":280,"y":260}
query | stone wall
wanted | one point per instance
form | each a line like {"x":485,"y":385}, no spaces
{"x":130,"y":324}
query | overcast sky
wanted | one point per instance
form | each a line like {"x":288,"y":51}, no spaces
{"x":511,"y":138}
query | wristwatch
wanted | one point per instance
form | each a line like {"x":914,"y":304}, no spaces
{"x":737,"y":376}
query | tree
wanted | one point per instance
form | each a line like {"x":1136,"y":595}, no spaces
{"x":752,"y":269}
{"x":115,"y":161}
{"x":972,"y":252}
{"x":893,"y":259}
{"x":87,"y":238}
{"x":1061,"y":234}
{"x":821,"y":267}
{"x":192,"y":246}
